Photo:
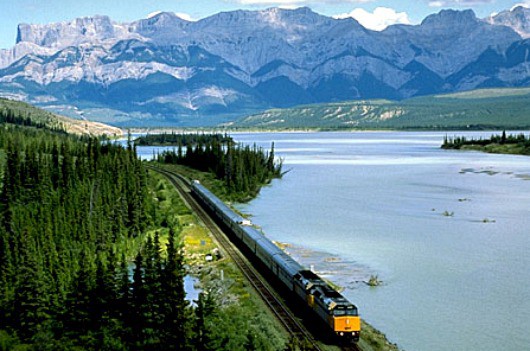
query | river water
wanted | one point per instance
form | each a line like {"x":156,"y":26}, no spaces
{"x":447,"y":232}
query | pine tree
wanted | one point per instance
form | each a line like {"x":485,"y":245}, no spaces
{"x":138,"y":301}
{"x":152,"y":291}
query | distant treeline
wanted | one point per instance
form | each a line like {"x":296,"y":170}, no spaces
{"x":513,"y":144}
{"x":244,"y":169}
{"x":177,"y":139}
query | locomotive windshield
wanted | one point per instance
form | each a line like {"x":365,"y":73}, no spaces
{"x":345,"y":311}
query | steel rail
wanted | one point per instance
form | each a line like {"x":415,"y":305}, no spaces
{"x":279,"y":308}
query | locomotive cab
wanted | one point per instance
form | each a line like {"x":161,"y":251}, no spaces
{"x":341,"y":315}
{"x":345,"y":321}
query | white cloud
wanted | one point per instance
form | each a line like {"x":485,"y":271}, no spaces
{"x":436,"y":3}
{"x":185,"y":16}
{"x":381,"y":18}
{"x":523,"y":4}
{"x":289,"y":7}
{"x":463,"y":3}
{"x":284,"y":3}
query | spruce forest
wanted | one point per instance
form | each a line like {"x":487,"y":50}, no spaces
{"x":169,"y":139}
{"x":82,"y":264}
{"x":69,"y":208}
{"x":242,"y":168}
{"x":502,"y":144}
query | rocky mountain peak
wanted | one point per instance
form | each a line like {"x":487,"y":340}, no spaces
{"x":518,"y":18}
{"x":62,"y":34}
{"x":159,"y":25}
{"x":450,"y":18}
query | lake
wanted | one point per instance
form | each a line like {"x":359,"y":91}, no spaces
{"x":447,"y":232}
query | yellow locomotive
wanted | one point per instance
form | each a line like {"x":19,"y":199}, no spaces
{"x":333,"y":308}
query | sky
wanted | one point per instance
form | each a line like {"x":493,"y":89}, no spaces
{"x":373,"y":14}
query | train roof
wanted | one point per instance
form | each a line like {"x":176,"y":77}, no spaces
{"x":310,"y":275}
{"x":332,"y":297}
{"x":282,"y":259}
{"x":268,"y":246}
{"x":323,"y":291}
{"x":287,"y":263}
{"x":219,"y":203}
{"x":252,"y":232}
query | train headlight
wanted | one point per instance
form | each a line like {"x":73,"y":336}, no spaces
{"x":341,"y":334}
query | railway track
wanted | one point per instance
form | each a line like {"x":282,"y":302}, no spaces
{"x":282,"y":312}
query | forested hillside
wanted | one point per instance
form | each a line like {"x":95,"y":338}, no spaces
{"x":69,"y":206}
{"x":20,"y":113}
{"x":91,"y":255}
{"x":476,"y":110}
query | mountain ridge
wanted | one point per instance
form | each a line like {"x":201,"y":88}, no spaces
{"x":505,"y":108}
{"x":231,"y":63}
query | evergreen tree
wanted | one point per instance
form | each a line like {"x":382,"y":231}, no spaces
{"x":203,"y":330}
{"x":138,"y":302}
{"x":31,"y":306}
{"x":242,"y":168}
{"x":177,"y":328}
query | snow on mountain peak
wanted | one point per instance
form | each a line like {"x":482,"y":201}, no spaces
{"x":153,"y":14}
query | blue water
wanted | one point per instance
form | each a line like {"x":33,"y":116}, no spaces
{"x":192,"y":292}
{"x":377,"y":201}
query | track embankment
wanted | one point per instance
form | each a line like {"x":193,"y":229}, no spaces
{"x":276,"y":304}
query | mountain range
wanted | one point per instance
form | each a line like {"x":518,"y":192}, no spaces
{"x":164,"y":70}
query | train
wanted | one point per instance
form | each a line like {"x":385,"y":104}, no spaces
{"x":329,"y":306}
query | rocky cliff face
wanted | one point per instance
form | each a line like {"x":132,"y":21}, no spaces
{"x":517,"y":18}
{"x":94,"y":30}
{"x":231,"y":63}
